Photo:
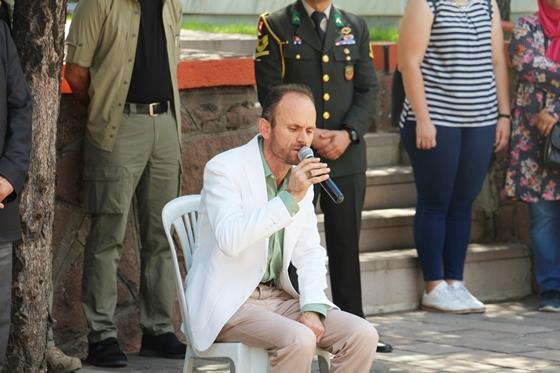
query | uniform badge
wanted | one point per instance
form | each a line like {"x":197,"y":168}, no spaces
{"x":262,"y":45}
{"x":346,"y":30}
{"x":345,"y":40}
{"x":349,"y":72}
{"x":296,"y":18}
{"x":297,"y":40}
{"x":338,"y":20}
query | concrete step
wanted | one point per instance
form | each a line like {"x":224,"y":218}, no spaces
{"x":382,"y":149}
{"x":235,"y":44}
{"x":390,"y":229}
{"x":390,"y":187}
{"x":392,"y":280}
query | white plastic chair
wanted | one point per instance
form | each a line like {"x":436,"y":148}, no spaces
{"x":180,"y":216}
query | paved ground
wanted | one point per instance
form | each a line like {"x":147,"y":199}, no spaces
{"x":509,"y":337}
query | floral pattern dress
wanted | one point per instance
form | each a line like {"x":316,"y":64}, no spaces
{"x":538,"y":87}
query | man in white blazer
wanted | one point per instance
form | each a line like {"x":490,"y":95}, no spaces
{"x":256,"y":216}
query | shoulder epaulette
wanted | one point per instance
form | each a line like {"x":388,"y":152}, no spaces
{"x":263,"y":40}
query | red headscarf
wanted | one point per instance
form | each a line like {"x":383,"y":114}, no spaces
{"x":550,"y":21}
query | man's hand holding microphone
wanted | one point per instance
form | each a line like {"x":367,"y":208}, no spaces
{"x":309,"y":171}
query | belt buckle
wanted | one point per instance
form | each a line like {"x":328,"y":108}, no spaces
{"x":151,"y":109}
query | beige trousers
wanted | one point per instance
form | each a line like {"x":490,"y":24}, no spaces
{"x":268,"y":320}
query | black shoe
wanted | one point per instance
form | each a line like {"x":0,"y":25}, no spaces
{"x":165,"y":345}
{"x":106,"y":353}
{"x":384,"y":347}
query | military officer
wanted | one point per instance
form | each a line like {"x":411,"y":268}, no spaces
{"x":311,"y":42}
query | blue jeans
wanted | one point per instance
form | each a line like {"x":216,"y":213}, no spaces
{"x":545,"y":234}
{"x":448,"y":179}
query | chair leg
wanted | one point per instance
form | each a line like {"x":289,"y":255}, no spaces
{"x":189,"y":361}
{"x":324,"y":359}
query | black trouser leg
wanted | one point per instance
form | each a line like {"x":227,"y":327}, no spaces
{"x":342,"y":232}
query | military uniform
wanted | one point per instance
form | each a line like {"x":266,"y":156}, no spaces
{"x":341,"y":75}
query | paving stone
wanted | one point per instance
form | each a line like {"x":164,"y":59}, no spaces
{"x":484,"y":334}
{"x":481,"y":323}
{"x":432,"y":348}
{"x":549,"y":340}
{"x":546,"y":354}
{"x":506,"y":360}
{"x":492,"y":345}
{"x":454,"y":365}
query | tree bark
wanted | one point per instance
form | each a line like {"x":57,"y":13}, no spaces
{"x":39,"y":37}
{"x":505,"y":9}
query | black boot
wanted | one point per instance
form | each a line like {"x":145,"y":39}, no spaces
{"x":165,"y":345}
{"x":106,"y":353}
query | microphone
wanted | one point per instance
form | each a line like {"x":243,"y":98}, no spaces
{"x":328,"y":185}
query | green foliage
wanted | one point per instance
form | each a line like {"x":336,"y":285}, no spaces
{"x":384,"y":34}
{"x":230,"y":28}
{"x":375,"y":34}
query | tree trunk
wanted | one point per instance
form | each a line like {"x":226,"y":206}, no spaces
{"x":39,"y":37}
{"x":505,"y":9}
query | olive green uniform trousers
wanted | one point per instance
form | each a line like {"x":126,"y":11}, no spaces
{"x":144,"y":163}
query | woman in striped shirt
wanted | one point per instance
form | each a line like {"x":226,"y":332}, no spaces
{"x":456,"y":113}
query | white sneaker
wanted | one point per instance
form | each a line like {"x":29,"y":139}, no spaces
{"x":464,"y":295}
{"x":441,"y":298}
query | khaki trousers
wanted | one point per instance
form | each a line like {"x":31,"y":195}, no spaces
{"x":268,"y":320}
{"x":144,"y":163}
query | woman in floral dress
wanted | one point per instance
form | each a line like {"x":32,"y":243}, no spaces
{"x":535,"y":50}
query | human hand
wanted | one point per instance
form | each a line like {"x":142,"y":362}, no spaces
{"x":503,"y":130}
{"x":319,"y":142}
{"x":313,"y":322}
{"x":5,"y":190}
{"x":307,"y":172}
{"x":425,"y":135}
{"x":338,"y":142}
{"x":545,"y":122}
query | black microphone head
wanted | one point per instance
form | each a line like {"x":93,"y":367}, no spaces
{"x":304,"y":153}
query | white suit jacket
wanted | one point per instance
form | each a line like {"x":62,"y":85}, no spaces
{"x":235,"y":220}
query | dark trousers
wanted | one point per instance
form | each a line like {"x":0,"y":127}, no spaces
{"x":5,"y":297}
{"x":448,"y":179}
{"x":342,"y":233}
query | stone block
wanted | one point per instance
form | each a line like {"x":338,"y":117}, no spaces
{"x":382,"y":120}
{"x":69,"y":144}
{"x":197,"y":150}
{"x":214,"y":110}
{"x":382,"y":149}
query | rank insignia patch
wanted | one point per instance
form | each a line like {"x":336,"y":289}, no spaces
{"x":262,"y":45}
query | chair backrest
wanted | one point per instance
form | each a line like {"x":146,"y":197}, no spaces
{"x":180,"y":216}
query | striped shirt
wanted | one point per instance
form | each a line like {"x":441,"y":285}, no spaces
{"x":457,"y":68}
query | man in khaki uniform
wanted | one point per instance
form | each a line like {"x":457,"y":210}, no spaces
{"x":121,"y":61}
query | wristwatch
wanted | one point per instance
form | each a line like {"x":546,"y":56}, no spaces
{"x":353,"y":134}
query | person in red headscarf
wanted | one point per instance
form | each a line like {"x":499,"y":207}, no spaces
{"x":535,"y":51}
